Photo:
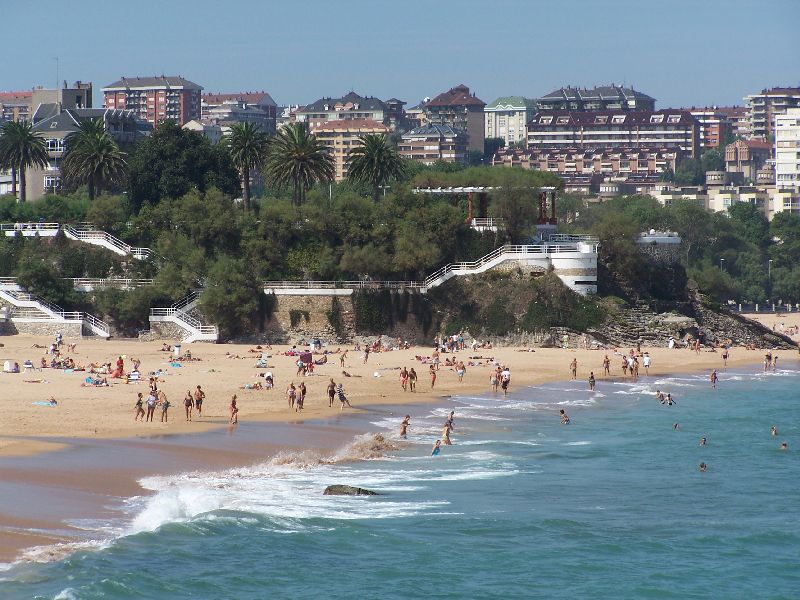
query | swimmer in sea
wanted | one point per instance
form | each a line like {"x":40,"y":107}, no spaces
{"x":676,"y":426}
{"x":437,"y":447}
{"x":404,"y":426}
{"x":703,"y":467}
{"x":784,"y":446}
{"x":774,"y":430}
{"x":446,"y":434}
{"x":564,"y":417}
{"x":702,"y":441}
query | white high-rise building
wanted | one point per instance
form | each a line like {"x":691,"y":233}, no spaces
{"x":787,"y":149}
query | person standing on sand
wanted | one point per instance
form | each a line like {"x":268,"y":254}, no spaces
{"x":152,"y":400}
{"x":199,"y":397}
{"x":139,"y":407}
{"x":331,"y":393}
{"x":624,"y":366}
{"x":234,"y":411}
{"x":301,"y":396}
{"x":460,"y":370}
{"x":725,"y":356}
{"x":404,"y":378}
{"x":188,"y":404}
{"x":494,"y":380}
{"x":366,"y":353}
{"x":291,"y":395}
{"x":342,"y":398}
{"x":412,"y":379}
{"x":646,"y":363}
{"x":592,"y":381}
{"x":162,"y":400}
{"x":573,"y":367}
{"x":404,"y":424}
{"x":435,"y":359}
{"x":774,"y":362}
{"x":606,"y":365}
{"x":433,"y":376}
{"x":342,"y":358}
{"x":714,"y":378}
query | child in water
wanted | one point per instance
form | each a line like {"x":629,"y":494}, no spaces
{"x":564,"y":417}
{"x":437,"y":447}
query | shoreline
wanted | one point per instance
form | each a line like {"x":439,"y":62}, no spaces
{"x":88,"y":471}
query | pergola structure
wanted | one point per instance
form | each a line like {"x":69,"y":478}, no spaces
{"x":483,"y":200}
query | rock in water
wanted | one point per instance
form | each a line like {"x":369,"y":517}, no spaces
{"x":348,"y":490}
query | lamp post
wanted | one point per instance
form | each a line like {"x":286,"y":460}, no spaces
{"x":769,"y":271}
{"x":721,"y":260}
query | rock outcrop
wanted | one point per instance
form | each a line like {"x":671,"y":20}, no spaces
{"x":348,"y":490}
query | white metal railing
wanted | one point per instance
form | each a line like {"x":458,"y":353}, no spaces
{"x":42,"y":309}
{"x":111,"y":282}
{"x":569,"y":237}
{"x":333,"y":285}
{"x":490,"y":222}
{"x":86,"y":232}
{"x":28,"y":226}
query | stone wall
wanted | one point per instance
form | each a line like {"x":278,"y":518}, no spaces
{"x":72,"y":330}
{"x":165,"y":330}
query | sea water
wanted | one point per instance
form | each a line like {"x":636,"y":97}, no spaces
{"x":611,"y":506}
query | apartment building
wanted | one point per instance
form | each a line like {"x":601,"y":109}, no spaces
{"x":747,"y":157}
{"x":342,"y":135}
{"x":54,"y":123}
{"x":601,"y":161}
{"x":349,"y":106}
{"x":459,"y":109}
{"x":15,"y":106}
{"x":155,"y":99}
{"x":507,"y":118}
{"x":217,"y":106}
{"x":599,"y":98}
{"x":715,"y":126}
{"x":433,"y":142}
{"x":763,"y":107}
{"x":787,"y":149}
{"x":738,"y":120}
{"x":668,"y":128}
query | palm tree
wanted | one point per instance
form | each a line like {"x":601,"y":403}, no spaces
{"x":247,"y":144}
{"x":93,"y":157}
{"x":375,"y":162}
{"x":296,"y":156}
{"x":20,"y":149}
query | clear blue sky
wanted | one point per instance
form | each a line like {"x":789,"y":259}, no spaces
{"x":682,"y":52}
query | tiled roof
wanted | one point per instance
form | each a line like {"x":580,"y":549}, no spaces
{"x":346,"y":102}
{"x":754,"y":144}
{"x":512,"y":102}
{"x":584,"y":118}
{"x":67,"y":120}
{"x":457,"y":96}
{"x":153,"y":82}
{"x":351,"y":125}
{"x":15,"y":97}
{"x":433,"y":129}
{"x":604,"y":92}
{"x":247,"y":97}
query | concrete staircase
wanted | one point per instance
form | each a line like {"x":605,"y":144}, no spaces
{"x":179,"y":314}
{"x":28,"y":308}
{"x":81,"y":233}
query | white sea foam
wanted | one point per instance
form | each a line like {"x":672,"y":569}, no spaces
{"x":582,"y":443}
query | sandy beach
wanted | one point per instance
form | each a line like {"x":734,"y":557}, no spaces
{"x":109,"y":451}
{"x":108,"y":412}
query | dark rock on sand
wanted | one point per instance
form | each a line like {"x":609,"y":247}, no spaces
{"x":348,"y":490}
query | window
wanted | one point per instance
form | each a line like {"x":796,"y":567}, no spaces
{"x":656,"y":118}
{"x":674,"y":119}
{"x":55,"y":145}
{"x":51,"y":182}
{"x":562,"y":120}
{"x":617,"y":119}
{"x":546,"y":120}
{"x":601,"y":120}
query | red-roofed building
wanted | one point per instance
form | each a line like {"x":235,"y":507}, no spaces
{"x":342,"y":135}
{"x":459,"y":109}
{"x":747,"y":157}
{"x":210,"y":105}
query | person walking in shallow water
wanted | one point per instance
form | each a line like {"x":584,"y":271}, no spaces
{"x":714,"y":378}
{"x":234,"y":411}
{"x":592,"y":382}
{"x":404,"y":424}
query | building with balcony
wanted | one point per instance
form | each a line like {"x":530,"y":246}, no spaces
{"x":600,"y":98}
{"x":155,"y":99}
{"x":670,"y":129}
{"x":217,"y":106}
{"x":787,"y":149}
{"x":349,"y":106}
{"x":715,"y":126}
{"x":54,"y":124}
{"x":507,"y":118}
{"x":764,"y":106}
{"x":211,"y":130}
{"x":460,"y":110}
{"x":433,"y":142}
{"x":342,"y":135}
{"x":747,"y":157}
{"x":15,"y":106}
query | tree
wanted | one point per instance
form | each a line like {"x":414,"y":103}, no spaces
{"x":688,"y":172}
{"x":297,"y":157}
{"x":22,"y":148}
{"x":93,"y":157}
{"x":172,"y":161}
{"x":712,"y":160}
{"x":375,"y":162}
{"x":753,"y":222}
{"x":492,"y":145}
{"x":517,"y":208}
{"x":247,"y":144}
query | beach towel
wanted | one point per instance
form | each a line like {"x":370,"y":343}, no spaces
{"x":176,"y":365}
{"x":43,"y":403}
